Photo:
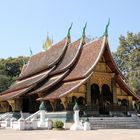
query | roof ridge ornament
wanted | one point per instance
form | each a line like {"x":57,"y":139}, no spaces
{"x":76,"y":107}
{"x":68,"y":35}
{"x":84,"y":34}
{"x":47,"y":43}
{"x":31,"y":52}
{"x":43,"y":106}
{"x":106,"y":28}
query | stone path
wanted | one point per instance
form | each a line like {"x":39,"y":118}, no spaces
{"x":103,"y":134}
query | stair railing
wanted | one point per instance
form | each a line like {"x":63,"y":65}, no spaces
{"x":33,"y":116}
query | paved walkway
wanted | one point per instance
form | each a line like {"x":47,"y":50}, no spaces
{"x":108,"y":134}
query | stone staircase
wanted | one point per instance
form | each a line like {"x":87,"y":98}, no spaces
{"x":132,"y":122}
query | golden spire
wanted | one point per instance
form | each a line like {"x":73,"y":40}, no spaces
{"x":48,"y":43}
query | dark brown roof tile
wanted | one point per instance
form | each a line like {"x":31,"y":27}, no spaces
{"x":87,"y":60}
{"x":28,"y":82}
{"x":13,"y":94}
{"x":126,"y":88}
{"x":110,"y":61}
{"x":44,"y":60}
{"x":70,"y":56}
{"x":62,"y":89}
{"x":49,"y":83}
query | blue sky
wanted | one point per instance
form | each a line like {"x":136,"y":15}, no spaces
{"x":25,"y":23}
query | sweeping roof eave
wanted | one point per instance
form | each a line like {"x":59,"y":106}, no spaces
{"x":110,"y":61}
{"x":126,"y":88}
{"x":90,"y":55}
{"x":49,"y":83}
{"x":44,"y":60}
{"x":71,"y":56}
{"x":32,"y":81}
{"x":68,"y":85}
{"x":14,"y":94}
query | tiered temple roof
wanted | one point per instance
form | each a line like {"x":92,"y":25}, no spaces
{"x":62,"y":68}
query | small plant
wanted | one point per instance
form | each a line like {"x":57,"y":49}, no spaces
{"x":58,"y":124}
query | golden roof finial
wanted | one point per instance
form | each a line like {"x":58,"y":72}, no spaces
{"x":48,"y":43}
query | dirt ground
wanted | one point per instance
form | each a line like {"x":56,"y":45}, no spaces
{"x":102,"y":134}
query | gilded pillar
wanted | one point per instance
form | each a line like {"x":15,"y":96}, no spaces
{"x":53,"y":104}
{"x":18,"y":103}
{"x":12,"y":104}
{"x":15,"y":104}
{"x":130,"y":101}
{"x":4,"y":106}
{"x":88,"y":95}
{"x":64,"y":102}
{"x":113,"y":85}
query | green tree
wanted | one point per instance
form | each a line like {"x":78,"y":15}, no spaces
{"x":10,"y":68}
{"x":127,"y":57}
{"x":5,"y":82}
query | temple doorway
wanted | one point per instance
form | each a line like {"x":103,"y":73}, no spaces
{"x":106,"y":99}
{"x":95,"y":94}
{"x":25,"y":105}
{"x":10,"y":108}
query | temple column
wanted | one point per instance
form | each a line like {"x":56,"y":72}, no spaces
{"x":64,"y":102}
{"x":12,"y":104}
{"x":15,"y":104}
{"x":4,"y":106}
{"x":130,"y":101}
{"x":53,"y":104}
{"x":18,"y":103}
{"x":100,"y":89}
{"x":113,"y":85}
{"x":88,"y":95}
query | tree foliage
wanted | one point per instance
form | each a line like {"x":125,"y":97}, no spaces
{"x":10,"y":68}
{"x":127,"y":57}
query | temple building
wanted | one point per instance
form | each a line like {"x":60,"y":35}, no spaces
{"x":81,"y":71}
